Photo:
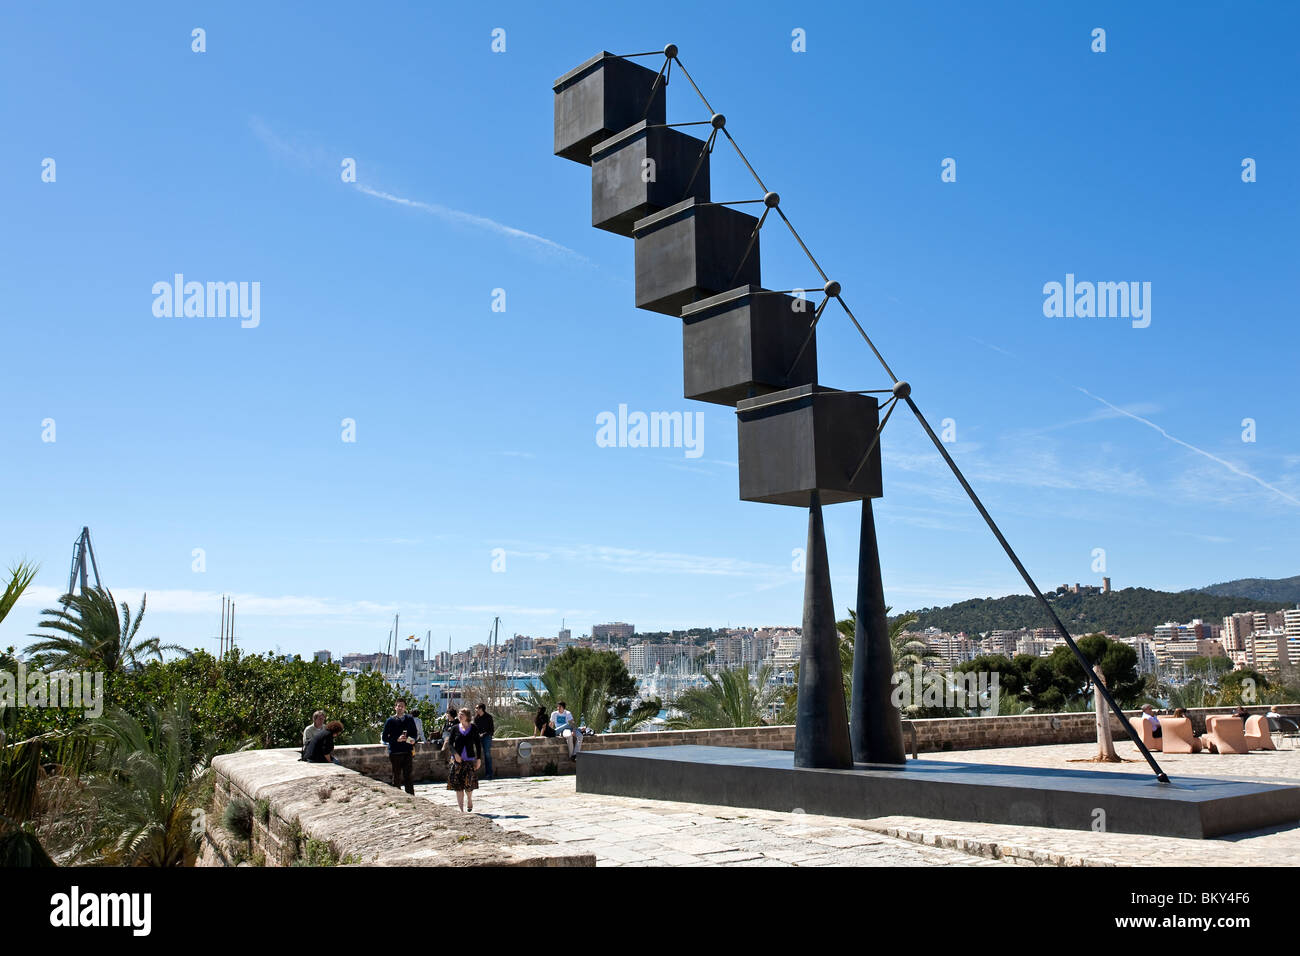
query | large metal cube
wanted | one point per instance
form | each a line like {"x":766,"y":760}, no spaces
{"x":620,"y":194}
{"x":691,"y":251}
{"x":800,"y":439}
{"x":604,"y":96}
{"x":743,"y":343}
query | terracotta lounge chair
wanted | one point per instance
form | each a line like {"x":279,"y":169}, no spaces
{"x":1143,"y":728}
{"x":1258,"y":736}
{"x":1177,"y":737}
{"x":1226,"y":734}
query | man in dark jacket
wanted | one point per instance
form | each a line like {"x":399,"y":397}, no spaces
{"x":486,"y":727}
{"x":320,"y":747}
{"x":400,"y":736}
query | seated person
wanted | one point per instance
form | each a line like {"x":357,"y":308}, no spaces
{"x":320,"y":749}
{"x":1182,"y":712}
{"x":1149,"y":715}
{"x":1280,"y":722}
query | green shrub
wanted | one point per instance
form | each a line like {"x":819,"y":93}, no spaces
{"x":238,"y":818}
{"x":318,"y":853}
{"x":264,"y":811}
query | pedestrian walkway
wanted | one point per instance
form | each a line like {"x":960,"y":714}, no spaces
{"x":624,"y":831}
{"x":627,"y":831}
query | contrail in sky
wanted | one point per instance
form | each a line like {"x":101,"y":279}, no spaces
{"x":469,"y":218}
{"x":1178,"y":441}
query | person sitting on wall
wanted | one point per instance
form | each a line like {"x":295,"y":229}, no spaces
{"x":1242,"y":713}
{"x":320,"y":748}
{"x":542,"y":724}
{"x":1149,"y":715}
{"x":317,"y":722}
{"x":566,"y":726}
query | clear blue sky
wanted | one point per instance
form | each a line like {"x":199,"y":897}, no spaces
{"x":476,"y":429}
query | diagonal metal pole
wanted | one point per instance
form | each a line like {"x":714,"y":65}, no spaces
{"x":1083,"y":660}
{"x":903,"y":390}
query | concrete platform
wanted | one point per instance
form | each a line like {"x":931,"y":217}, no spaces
{"x":1188,"y":807}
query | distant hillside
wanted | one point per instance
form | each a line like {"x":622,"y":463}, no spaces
{"x":1126,"y":612}
{"x":1259,"y":589}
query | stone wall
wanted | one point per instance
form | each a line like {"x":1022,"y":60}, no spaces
{"x":329,"y":815}
{"x":550,"y":756}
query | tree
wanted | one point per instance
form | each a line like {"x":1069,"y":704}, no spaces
{"x":1117,"y":660}
{"x":596,"y":686}
{"x":730,"y":699}
{"x":906,"y":653}
{"x":90,"y":636}
{"x":1105,"y":742}
{"x":20,"y":576}
{"x":145,"y":791}
{"x":1241,"y":687}
{"x":264,"y":698}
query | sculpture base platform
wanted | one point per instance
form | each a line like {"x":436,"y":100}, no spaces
{"x":1189,"y":807}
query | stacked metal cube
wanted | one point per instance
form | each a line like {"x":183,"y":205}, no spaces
{"x":743,"y":345}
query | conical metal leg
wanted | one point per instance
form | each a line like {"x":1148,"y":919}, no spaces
{"x":874,"y":722}
{"x":821,"y":734}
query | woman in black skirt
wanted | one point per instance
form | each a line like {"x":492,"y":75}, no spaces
{"x":466,"y":758}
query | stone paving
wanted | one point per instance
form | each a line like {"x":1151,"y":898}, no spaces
{"x":624,"y":831}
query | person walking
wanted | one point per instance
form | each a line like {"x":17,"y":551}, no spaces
{"x":486,"y":727}
{"x":565,"y":726}
{"x":400,"y":736}
{"x":466,"y":758}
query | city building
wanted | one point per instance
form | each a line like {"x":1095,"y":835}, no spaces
{"x":361,"y":662}
{"x":617,"y":631}
{"x":1236,"y":629}
{"x":786,"y":647}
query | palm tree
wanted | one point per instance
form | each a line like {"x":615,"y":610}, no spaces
{"x":91,"y":636}
{"x":146,"y":790}
{"x":20,"y":575}
{"x":905,"y":654}
{"x":730,"y":699}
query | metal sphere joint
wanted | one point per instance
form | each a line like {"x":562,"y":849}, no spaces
{"x":901,"y":390}
{"x":832,"y":288}
{"x":718,"y":121}
{"x":772,"y":200}
{"x":670,"y":50}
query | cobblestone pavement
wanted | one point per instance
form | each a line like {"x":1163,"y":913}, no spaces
{"x":623,"y":831}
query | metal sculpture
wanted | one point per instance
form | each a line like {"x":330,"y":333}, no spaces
{"x":800,"y":443}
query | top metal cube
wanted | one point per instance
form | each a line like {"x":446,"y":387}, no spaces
{"x":600,"y":98}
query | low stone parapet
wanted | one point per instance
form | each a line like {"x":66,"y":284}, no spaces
{"x":326,"y":814}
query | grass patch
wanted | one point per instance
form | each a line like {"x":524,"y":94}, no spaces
{"x":238,"y":818}
{"x":318,"y":853}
